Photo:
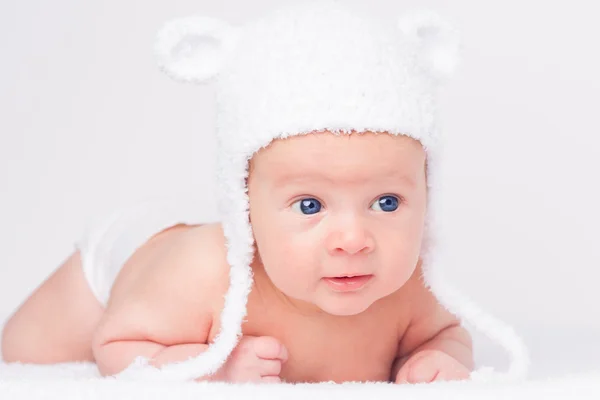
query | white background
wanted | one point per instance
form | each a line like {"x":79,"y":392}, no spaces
{"x":88,"y":124}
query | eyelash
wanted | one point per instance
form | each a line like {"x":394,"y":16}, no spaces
{"x":401,"y":199}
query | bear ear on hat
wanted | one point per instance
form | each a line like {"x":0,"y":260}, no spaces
{"x":195,"y":49}
{"x":437,"y":41}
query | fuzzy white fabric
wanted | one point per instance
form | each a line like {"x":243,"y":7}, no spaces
{"x":81,"y":381}
{"x":313,"y":66}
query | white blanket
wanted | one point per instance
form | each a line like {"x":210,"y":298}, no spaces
{"x":82,"y":381}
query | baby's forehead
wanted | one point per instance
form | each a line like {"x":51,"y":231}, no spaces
{"x":325,"y":153}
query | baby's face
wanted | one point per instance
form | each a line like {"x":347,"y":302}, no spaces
{"x":325,"y":206}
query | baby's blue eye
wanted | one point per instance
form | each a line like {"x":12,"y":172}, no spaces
{"x":307,"y":206}
{"x":386,"y":203}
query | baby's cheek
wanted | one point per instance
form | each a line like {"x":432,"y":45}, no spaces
{"x":277,"y":248}
{"x":295,"y":257}
{"x":398,"y":267}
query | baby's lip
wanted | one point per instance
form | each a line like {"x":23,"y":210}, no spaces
{"x":347,"y":284}
{"x":348,"y":275}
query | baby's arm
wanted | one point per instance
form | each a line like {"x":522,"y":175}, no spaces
{"x":434,"y":346}
{"x":114,"y":356}
{"x":163,"y":310}
{"x":130,"y":333}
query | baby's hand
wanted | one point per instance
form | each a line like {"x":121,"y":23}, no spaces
{"x":254,"y":359}
{"x":431,"y":366}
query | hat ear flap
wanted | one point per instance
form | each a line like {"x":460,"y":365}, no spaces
{"x":195,"y":49}
{"x":437,"y":41}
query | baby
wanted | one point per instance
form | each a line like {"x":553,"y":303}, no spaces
{"x":337,"y":292}
{"x":322,"y":267}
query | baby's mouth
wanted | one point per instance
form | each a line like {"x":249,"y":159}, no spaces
{"x":347,"y":283}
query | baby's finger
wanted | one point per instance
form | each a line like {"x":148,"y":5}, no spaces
{"x":402,"y":375}
{"x":269,"y":348}
{"x":422,"y":372}
{"x":453,"y":373}
{"x":270,"y":379}
{"x":269,"y":367}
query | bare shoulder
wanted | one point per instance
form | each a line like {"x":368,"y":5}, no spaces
{"x":170,"y":289}
{"x":427,"y":316}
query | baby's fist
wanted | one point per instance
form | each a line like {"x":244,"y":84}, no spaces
{"x":254,"y":359}
{"x":431,"y":366}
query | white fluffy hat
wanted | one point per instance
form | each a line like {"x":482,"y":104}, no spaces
{"x":310,"y":67}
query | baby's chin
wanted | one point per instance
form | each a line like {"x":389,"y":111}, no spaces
{"x":345,"y":310}
{"x":349,"y":304}
{"x":344,"y":305}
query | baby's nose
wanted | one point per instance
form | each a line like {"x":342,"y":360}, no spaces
{"x":353,"y":239}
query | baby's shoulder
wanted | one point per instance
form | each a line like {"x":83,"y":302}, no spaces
{"x":197,"y":264}
{"x":206,"y":251}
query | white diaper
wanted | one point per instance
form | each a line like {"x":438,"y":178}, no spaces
{"x":109,"y":241}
